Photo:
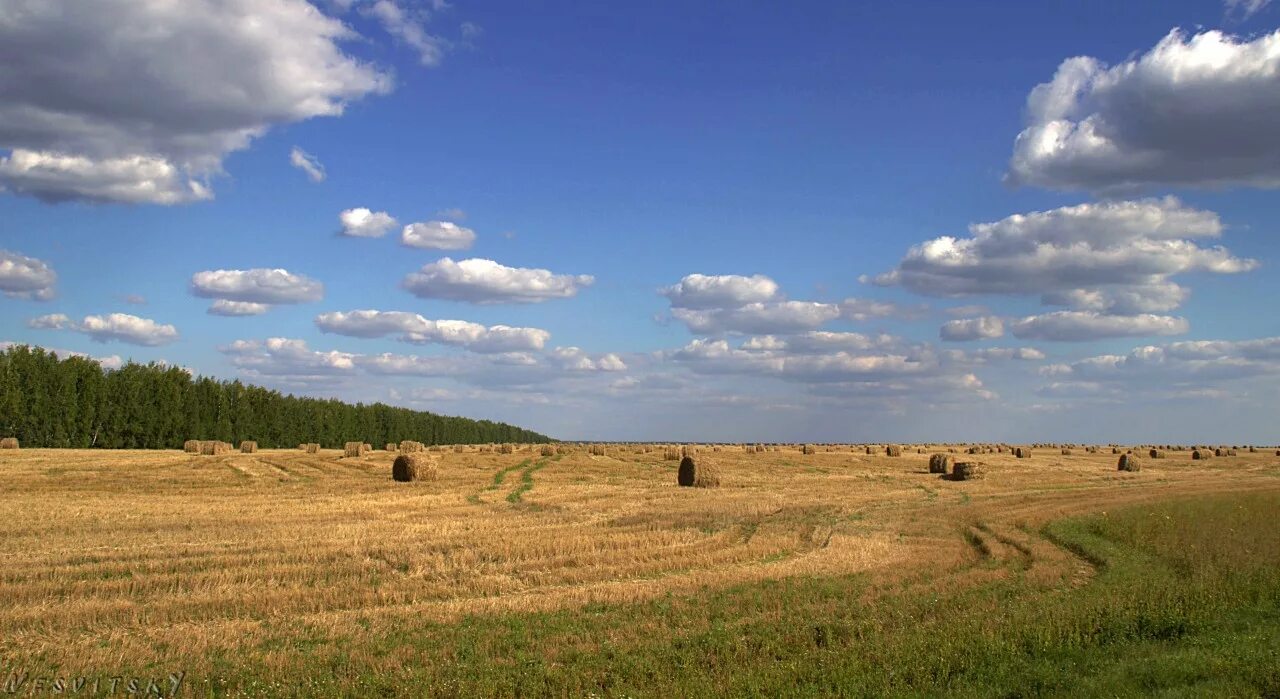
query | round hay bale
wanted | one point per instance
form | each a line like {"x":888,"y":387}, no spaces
{"x":871,"y":451}
{"x":313,"y":448}
{"x":1066,"y":452}
{"x":1200,"y":454}
{"x":248,"y":447}
{"x":548,"y":450}
{"x":506,"y":449}
{"x":392,"y":446}
{"x":697,"y":475}
{"x":893,"y":450}
{"x":417,"y":466}
{"x":409,"y":446}
{"x":214,"y":448}
{"x":808,"y":449}
{"x":9,"y":443}
{"x":967,"y":471}
{"x":351,"y":449}
{"x":1022,"y":452}
{"x":1128,"y":462}
{"x":1156,"y":454}
{"x":192,"y":446}
{"x":671,"y":453}
{"x":688,"y":451}
{"x":1219,"y":452}
{"x":941,"y":463}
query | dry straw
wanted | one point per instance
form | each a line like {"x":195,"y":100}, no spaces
{"x":697,"y":475}
{"x":1156,"y":454}
{"x":313,"y":448}
{"x":248,"y":447}
{"x":411,"y":447}
{"x":213,"y":448}
{"x":893,"y":450}
{"x":353,"y":449}
{"x":9,"y":443}
{"x":808,"y":449}
{"x":548,"y":450}
{"x":392,"y":446}
{"x":1022,"y":452}
{"x":940,"y":463}
{"x":415,"y":467}
{"x":967,"y":471}
{"x":191,"y":446}
{"x":1128,"y":462}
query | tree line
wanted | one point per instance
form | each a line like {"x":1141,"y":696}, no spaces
{"x":74,"y":402}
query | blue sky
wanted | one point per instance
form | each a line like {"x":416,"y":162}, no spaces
{"x":781,"y":160}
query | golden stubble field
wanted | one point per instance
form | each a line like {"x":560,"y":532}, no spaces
{"x":154,"y":557}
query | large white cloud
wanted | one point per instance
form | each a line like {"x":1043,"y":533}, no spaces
{"x":702,"y":291}
{"x":121,"y":327}
{"x":1079,"y":326}
{"x":363,"y":223}
{"x":140,"y":100}
{"x":1195,"y":110}
{"x":437,"y":235}
{"x":412,"y":327}
{"x":1112,"y":257}
{"x":483,"y":281}
{"x":241,"y":292}
{"x":25,"y":277}
{"x":963,"y":330}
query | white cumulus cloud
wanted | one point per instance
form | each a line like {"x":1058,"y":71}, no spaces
{"x":963,"y":330}
{"x":437,"y":235}
{"x":483,"y":281}
{"x":1195,"y":110}
{"x":103,"y":103}
{"x":1079,"y":326}
{"x":113,"y":327}
{"x":702,"y":291}
{"x":363,"y":223}
{"x":25,"y":277}
{"x":413,"y":328}
{"x":240,"y":292}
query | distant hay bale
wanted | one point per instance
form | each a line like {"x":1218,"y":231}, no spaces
{"x":967,"y":471}
{"x":871,"y":451}
{"x":392,"y":446}
{"x":409,"y":446}
{"x":214,"y":448}
{"x":9,"y":443}
{"x":1231,"y":452}
{"x":596,"y":450}
{"x":354,"y":449}
{"x":548,"y":450}
{"x":671,"y":453}
{"x":415,"y":467}
{"x":1091,"y":450}
{"x":893,"y":450}
{"x":436,"y":448}
{"x":808,"y":449}
{"x":688,"y":451}
{"x":697,"y":475}
{"x":1066,"y":452}
{"x":1128,"y":462}
{"x":248,"y":447}
{"x":1253,"y":450}
{"x":506,"y":449}
{"x":458,"y":449}
{"x":941,"y":463}
{"x":1156,"y":454}
{"x":191,"y":446}
{"x":1219,"y":452}
{"x":1022,"y":452}
{"x":1200,"y":454}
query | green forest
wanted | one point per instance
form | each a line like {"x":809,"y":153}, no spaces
{"x":47,"y":401}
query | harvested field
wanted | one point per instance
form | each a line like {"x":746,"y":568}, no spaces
{"x":165,"y":559}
